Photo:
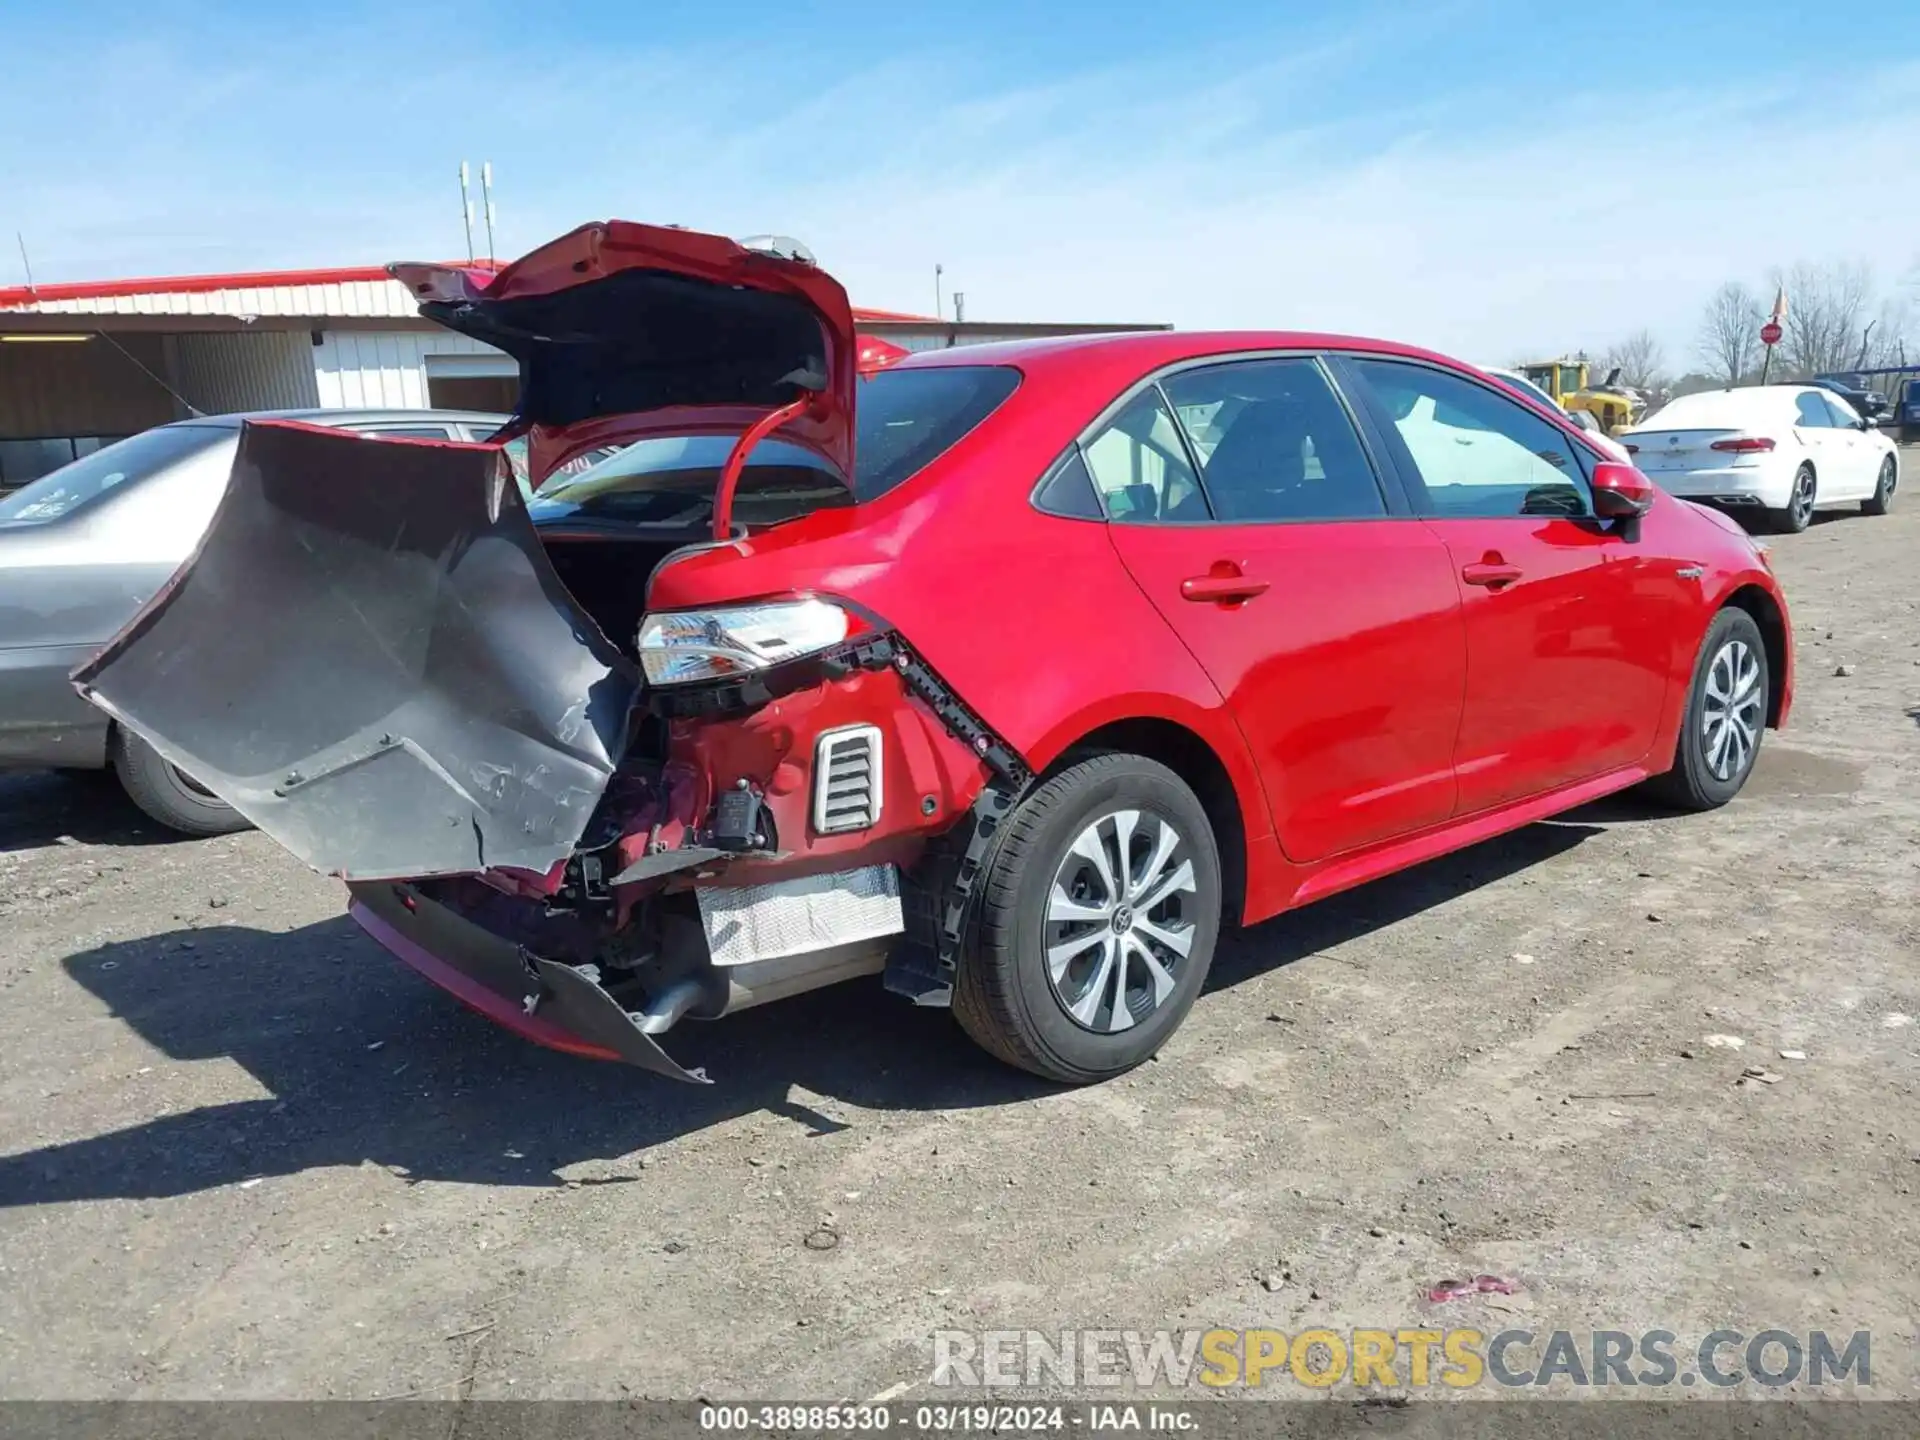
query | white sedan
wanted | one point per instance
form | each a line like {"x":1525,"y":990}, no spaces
{"x":1785,"y":450}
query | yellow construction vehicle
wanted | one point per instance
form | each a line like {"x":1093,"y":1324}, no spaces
{"x":1611,"y":404}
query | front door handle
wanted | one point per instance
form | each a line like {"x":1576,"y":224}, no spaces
{"x":1221,"y":589}
{"x":1490,"y":573}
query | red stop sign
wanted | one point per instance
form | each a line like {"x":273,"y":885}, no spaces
{"x":1770,"y":334}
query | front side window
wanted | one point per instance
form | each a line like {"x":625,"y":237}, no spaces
{"x":1475,"y":452}
{"x":1140,"y":466}
{"x":1841,"y":418}
{"x":1275,"y":442}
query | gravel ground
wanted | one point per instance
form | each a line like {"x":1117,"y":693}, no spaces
{"x":242,"y":1153}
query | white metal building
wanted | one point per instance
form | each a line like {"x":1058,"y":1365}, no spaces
{"x":82,"y":365}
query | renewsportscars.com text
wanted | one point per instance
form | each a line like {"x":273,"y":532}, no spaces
{"x":1456,"y":1358}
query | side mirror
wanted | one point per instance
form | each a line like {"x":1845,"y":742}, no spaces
{"x":1620,"y":492}
{"x":1865,"y":422}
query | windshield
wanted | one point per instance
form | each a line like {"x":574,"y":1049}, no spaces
{"x":903,"y":420}
{"x":55,"y":496}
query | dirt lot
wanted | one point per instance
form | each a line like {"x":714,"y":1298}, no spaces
{"x":244,"y":1153}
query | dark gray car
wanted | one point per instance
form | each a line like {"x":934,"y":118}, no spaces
{"x":83,"y":548}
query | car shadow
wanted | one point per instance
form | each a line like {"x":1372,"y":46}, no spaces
{"x":1352,"y":914}
{"x":46,"y":807}
{"x":363,"y":1061}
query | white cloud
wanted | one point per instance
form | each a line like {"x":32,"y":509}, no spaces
{"x":1283,"y":194}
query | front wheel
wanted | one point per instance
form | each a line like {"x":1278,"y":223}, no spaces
{"x":1098,"y":916}
{"x":1881,"y":500}
{"x":1725,"y":717}
{"x":1800,"y":502}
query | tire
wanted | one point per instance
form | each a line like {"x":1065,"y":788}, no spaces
{"x":167,"y":795}
{"x":1733,"y":656}
{"x":1881,"y":501}
{"x":1005,"y":997}
{"x":1800,"y":502}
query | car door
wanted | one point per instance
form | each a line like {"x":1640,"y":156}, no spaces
{"x":1859,"y":456}
{"x":1567,"y":623}
{"x":1825,"y":446}
{"x":1326,"y":616}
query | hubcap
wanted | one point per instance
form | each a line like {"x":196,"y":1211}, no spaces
{"x":1120,"y":920}
{"x":1730,"y":713}
{"x":1889,"y":479}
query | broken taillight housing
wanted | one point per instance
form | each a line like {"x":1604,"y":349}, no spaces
{"x":681,"y":647}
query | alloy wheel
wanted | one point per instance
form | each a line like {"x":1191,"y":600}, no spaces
{"x":1802,"y":502}
{"x":1730,"y":710}
{"x":1120,"y":919}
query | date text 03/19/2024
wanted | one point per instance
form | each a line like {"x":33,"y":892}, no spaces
{"x":945,"y":1418}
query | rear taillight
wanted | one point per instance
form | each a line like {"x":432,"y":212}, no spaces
{"x":1743,"y":444}
{"x":679,"y":647}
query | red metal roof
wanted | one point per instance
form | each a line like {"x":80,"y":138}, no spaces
{"x":269,"y":279}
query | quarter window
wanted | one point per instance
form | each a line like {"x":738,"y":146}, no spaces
{"x":1140,"y":467}
{"x":1477,"y":453}
{"x":1274,"y":442}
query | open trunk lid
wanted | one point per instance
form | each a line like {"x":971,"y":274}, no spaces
{"x":371,"y":657}
{"x":626,"y":331}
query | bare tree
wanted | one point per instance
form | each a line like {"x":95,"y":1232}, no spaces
{"x":1641,"y":360}
{"x":1730,"y":333}
{"x":1827,"y":317}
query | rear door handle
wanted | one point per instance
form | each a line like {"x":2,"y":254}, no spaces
{"x":1489,"y":573}
{"x":1221,"y":588}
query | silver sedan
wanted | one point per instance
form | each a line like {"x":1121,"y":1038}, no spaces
{"x":84,"y":548}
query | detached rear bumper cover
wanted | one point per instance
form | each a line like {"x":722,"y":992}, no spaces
{"x":570,"y":1012}
{"x":371,"y":658}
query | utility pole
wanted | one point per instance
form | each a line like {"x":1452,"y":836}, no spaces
{"x":486,"y":202}
{"x":939,"y":303}
{"x":466,"y":210}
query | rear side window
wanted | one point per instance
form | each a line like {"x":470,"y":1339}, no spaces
{"x":1475,"y":452}
{"x":1812,"y":411}
{"x":87,"y":480}
{"x":1274,"y":443}
{"x":906,"y":419}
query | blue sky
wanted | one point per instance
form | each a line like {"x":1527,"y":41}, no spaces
{"x":1491,"y":178}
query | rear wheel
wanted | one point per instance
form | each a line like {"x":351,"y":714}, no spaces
{"x":1725,"y":718}
{"x":167,"y":793}
{"x":1881,"y":501}
{"x":1800,"y":502}
{"x":1098,"y":916}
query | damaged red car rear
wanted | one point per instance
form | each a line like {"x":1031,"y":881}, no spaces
{"x":1006,"y":673}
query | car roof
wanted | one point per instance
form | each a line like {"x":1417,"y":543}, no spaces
{"x":1139,"y":352}
{"x":343,"y":418}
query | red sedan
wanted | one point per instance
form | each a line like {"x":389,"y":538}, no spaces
{"x":1010,"y":673}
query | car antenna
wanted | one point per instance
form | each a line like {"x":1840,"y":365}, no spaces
{"x":194,"y":412}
